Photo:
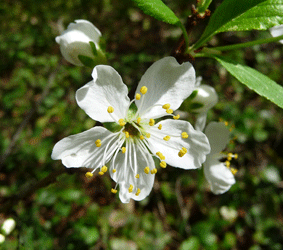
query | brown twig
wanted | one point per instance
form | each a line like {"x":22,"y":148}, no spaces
{"x":179,"y":51}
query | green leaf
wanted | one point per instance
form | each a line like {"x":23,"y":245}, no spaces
{"x":158,"y":10}
{"x":228,"y":10}
{"x":255,"y":80}
{"x":260,"y":17}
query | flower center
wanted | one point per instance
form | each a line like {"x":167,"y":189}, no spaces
{"x":133,"y":132}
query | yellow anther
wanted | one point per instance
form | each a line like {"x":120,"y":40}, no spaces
{"x":114,"y":191}
{"x":143,"y":90}
{"x":141,"y":137}
{"x":160,"y":155}
{"x":114,"y":171}
{"x":110,"y":109}
{"x":88,"y":174}
{"x":138,"y":192}
{"x":131,"y":188}
{"x":227,"y":164}
{"x":160,"y":126}
{"x":176,"y":117}
{"x":146,"y":170}
{"x":230,"y":156}
{"x":166,"y":106}
{"x":236,"y":156}
{"x":101,"y":173}
{"x":166,"y":138}
{"x":153,"y":171}
{"x":226,"y":123}
{"x":138,"y":96}
{"x":104,"y":169}
{"x":147,"y":135}
{"x":127,"y":134}
{"x":182,"y":152}
{"x":184,"y":135}
{"x":233,"y":170}
{"x":137,"y":176}
{"x":169,"y":111}
{"x":151,"y":122}
{"x":138,"y":120}
{"x":98,"y":143}
{"x":121,"y":122}
{"x":163,"y":164}
{"x":123,"y":150}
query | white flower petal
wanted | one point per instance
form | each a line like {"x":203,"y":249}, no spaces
{"x":197,"y":144}
{"x":207,"y":96}
{"x":75,"y":40}
{"x":167,"y":82}
{"x":127,"y":166}
{"x":218,"y":135}
{"x":277,"y":31}
{"x":201,"y":121}
{"x":80,"y":150}
{"x":87,"y":28}
{"x":218,"y":175}
{"x":106,"y":89}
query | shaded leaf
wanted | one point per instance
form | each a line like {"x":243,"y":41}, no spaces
{"x":158,"y":10}
{"x":227,"y":11}
{"x":255,"y":80}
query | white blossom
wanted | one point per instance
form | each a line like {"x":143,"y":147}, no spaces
{"x":218,"y":174}
{"x":207,"y":97}
{"x":8,"y":226}
{"x":277,"y":31}
{"x":76,"y":40}
{"x":130,"y":151}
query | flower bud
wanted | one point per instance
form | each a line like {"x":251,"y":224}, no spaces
{"x":2,"y":238}
{"x":277,"y":31}
{"x":206,"y":97}
{"x":79,"y":44}
{"x":8,"y":226}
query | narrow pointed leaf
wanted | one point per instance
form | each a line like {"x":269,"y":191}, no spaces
{"x":227,"y":11}
{"x":158,"y":10}
{"x":261,"y":17}
{"x":255,"y":80}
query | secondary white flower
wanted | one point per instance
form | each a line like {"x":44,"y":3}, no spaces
{"x":277,"y":31}
{"x":8,"y":226}
{"x":207,"y":97}
{"x":75,"y":41}
{"x":130,"y":150}
{"x":2,"y":238}
{"x":218,"y":174}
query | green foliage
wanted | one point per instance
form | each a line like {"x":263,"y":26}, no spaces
{"x":158,"y":10}
{"x":256,"y":81}
{"x":261,"y":17}
{"x":181,"y":212}
{"x":225,"y":13}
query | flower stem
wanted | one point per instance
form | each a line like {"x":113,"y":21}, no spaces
{"x":248,"y":44}
{"x":185,"y":34}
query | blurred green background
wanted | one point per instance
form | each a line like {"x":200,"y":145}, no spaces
{"x":38,"y":108}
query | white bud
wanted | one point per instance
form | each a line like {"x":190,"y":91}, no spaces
{"x":277,"y":31}
{"x":228,"y":213}
{"x":75,"y":41}
{"x":8,"y":226}
{"x":206,"y":96}
{"x":2,"y":238}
